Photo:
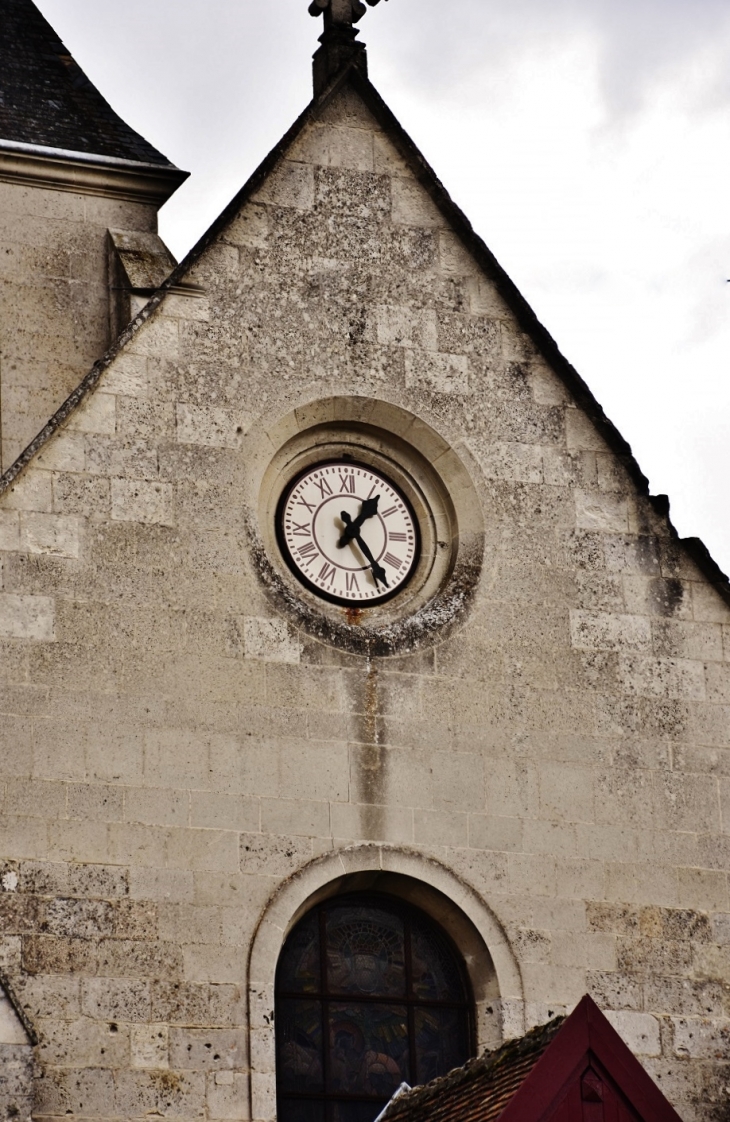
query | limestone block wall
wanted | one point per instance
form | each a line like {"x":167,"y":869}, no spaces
{"x":177,"y":743}
{"x":54,"y":298}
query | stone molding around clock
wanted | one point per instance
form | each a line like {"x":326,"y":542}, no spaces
{"x":432,"y":474}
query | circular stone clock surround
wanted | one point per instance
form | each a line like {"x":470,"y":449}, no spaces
{"x":437,"y":489}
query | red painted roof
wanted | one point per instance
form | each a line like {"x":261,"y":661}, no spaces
{"x":574,"y":1070}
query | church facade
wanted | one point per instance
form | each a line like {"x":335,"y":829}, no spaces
{"x":359,"y":707}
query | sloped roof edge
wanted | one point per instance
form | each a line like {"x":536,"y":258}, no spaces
{"x":507,"y":289}
{"x":9,"y":991}
{"x":534,"y":1043}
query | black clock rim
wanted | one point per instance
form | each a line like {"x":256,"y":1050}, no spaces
{"x":291,"y":565}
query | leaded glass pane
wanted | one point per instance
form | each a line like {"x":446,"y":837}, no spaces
{"x":299,"y":1046}
{"x":365,"y":952}
{"x":436,"y":976}
{"x":303,"y":1110}
{"x":299,"y":966}
{"x":368,"y":1048}
{"x":440,"y":1042}
{"x":357,"y":1112}
{"x":391,"y":1008}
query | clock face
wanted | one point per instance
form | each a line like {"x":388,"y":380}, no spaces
{"x":348,"y":533}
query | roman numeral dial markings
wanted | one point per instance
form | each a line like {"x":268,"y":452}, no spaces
{"x":348,"y":533}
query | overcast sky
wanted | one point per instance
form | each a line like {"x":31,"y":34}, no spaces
{"x":587,"y":140}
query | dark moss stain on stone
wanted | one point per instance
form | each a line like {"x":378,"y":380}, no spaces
{"x":370,"y":708}
{"x":358,"y":326}
{"x":668,"y":596}
{"x":167,"y":1081}
{"x":518,"y":380}
{"x":370,"y":758}
{"x":429,"y":625}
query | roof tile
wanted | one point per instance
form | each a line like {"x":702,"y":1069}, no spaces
{"x":482,"y":1089}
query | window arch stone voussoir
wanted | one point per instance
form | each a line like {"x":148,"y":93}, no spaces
{"x":492,"y":967}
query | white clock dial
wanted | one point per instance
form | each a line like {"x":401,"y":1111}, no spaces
{"x":348,"y":533}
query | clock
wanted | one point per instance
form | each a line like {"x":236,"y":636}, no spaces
{"x":348,"y":533}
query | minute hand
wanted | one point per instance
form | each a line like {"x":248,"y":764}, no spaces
{"x":378,"y":571}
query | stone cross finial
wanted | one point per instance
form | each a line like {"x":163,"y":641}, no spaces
{"x":340,"y":48}
{"x":340,"y":12}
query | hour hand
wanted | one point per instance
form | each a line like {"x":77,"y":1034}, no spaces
{"x":368,"y":509}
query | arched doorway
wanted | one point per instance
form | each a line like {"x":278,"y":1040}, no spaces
{"x":370,"y":993}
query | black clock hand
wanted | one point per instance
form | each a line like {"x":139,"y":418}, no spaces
{"x":378,"y":571}
{"x":368,"y":509}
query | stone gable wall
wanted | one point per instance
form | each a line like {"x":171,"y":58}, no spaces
{"x":175,"y":744}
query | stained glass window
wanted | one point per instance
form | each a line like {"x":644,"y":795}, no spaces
{"x":370,"y":993}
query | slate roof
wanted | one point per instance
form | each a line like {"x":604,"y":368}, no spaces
{"x":481,"y":1090}
{"x":47,"y":100}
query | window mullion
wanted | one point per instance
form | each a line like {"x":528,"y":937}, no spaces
{"x":324,"y":1013}
{"x":412,"y":1076}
